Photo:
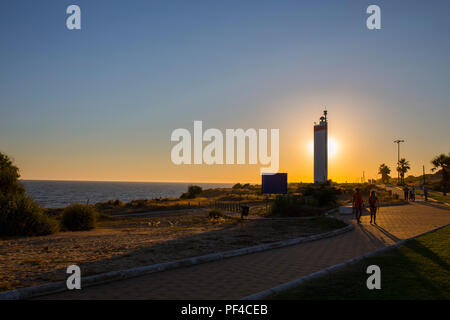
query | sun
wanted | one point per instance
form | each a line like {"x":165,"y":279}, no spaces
{"x":333,"y":147}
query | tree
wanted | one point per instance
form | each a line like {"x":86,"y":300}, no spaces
{"x":237,"y":186}
{"x":192,"y":192}
{"x":9,"y":180}
{"x":402,"y":168}
{"x":19,"y":214}
{"x":384,"y":171}
{"x":442,"y":162}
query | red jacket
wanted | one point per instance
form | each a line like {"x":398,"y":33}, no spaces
{"x":357,"y":199}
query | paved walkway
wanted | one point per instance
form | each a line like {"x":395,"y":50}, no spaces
{"x":238,"y":277}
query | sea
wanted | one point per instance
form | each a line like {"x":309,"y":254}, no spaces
{"x":58,"y":194}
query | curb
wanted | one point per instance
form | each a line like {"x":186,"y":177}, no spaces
{"x":435,"y":204}
{"x":50,"y":288}
{"x":438,"y":201}
{"x":264,"y":294}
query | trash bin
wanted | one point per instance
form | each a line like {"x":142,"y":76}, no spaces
{"x":244,"y":211}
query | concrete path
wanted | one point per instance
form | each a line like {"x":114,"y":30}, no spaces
{"x":238,"y":277}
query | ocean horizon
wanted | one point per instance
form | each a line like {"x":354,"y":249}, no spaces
{"x":60,"y":193}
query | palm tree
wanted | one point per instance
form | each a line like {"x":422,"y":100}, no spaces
{"x":384,"y":171}
{"x":402,"y":168}
{"x":442,"y":162}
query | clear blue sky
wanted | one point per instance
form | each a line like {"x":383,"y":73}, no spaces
{"x":101,"y":103}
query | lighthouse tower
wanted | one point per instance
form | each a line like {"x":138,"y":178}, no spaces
{"x":321,"y":150}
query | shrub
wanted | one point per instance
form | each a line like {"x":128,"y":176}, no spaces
{"x":216,"y":214}
{"x":19,"y":214}
{"x":109,"y":205}
{"x":192,"y":192}
{"x":79,"y":217}
{"x":229,"y":197}
{"x":118,"y":203}
{"x":23,"y":217}
{"x":139,"y":203}
{"x":294,"y":206}
{"x":326,"y":196}
{"x":237,"y":186}
{"x":323,"y":195}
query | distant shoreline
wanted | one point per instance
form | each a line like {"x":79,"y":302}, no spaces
{"x":60,"y":193}
{"x":118,"y":181}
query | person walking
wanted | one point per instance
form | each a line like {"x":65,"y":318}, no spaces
{"x":374,"y":206}
{"x":357,"y":204}
{"x":412,"y":194}
{"x":425,"y":193}
{"x":406,"y":192}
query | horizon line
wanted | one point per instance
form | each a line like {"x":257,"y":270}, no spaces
{"x":192,"y":182}
{"x":135,"y":181}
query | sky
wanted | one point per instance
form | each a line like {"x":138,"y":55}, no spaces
{"x":101,"y":103}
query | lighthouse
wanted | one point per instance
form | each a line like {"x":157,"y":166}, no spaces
{"x":321,"y":149}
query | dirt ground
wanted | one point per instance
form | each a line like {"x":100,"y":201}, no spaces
{"x":125,"y":242}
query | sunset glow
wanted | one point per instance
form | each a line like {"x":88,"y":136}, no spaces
{"x":333,"y":148}
{"x":114,"y":121}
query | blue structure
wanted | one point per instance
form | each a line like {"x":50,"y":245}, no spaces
{"x":274,"y":183}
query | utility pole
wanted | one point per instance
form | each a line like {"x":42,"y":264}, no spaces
{"x":423,"y":167}
{"x":398,"y":158}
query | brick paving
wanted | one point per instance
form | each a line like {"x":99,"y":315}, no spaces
{"x":237,"y":277}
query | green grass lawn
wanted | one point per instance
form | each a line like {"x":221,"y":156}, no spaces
{"x":436,"y":196}
{"x":420,"y":269}
{"x":440,"y":197}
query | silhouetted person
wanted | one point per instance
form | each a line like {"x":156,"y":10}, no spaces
{"x":357,"y":204}
{"x":425,"y":193}
{"x":412,"y":194}
{"x":374,"y":206}
{"x":406,"y":192}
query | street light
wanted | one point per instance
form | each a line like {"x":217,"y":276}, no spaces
{"x":398,"y":158}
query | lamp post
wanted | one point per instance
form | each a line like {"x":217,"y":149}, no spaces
{"x":398,"y":158}
{"x":423,"y":168}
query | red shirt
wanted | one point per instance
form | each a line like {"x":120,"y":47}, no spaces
{"x":373,"y":200}
{"x":357,"y":199}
